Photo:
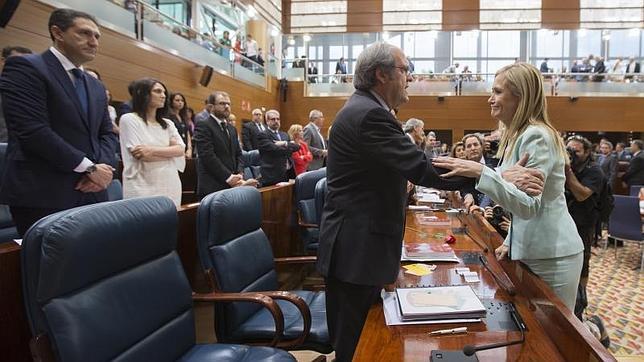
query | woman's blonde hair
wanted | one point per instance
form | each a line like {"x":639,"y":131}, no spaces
{"x":456,"y":145}
{"x":293,"y":130}
{"x":524,"y":81}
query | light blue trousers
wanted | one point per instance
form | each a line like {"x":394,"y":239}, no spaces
{"x":561,"y":274}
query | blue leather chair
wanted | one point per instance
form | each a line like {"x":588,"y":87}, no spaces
{"x":635,"y":190}
{"x":308,"y":219}
{"x":8,"y":230}
{"x":251,"y":164}
{"x":625,"y":222}
{"x":237,"y":257}
{"x":104,"y":282}
{"x":114,"y":191}
{"x":320,"y":197}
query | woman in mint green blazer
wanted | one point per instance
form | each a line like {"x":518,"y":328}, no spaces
{"x":542,"y":234}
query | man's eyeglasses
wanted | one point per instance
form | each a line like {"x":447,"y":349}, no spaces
{"x":404,"y":68}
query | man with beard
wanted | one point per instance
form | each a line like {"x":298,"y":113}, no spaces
{"x":584,"y":182}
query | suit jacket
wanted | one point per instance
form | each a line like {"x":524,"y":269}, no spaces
{"x":274,"y":158}
{"x":541,"y":227}
{"x":249,"y":135}
{"x":314,"y":139}
{"x":49,"y":134}
{"x":635,"y":173}
{"x":219,"y":155}
{"x":369,"y":162}
{"x":608,"y":165}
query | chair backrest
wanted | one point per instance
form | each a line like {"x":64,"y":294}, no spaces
{"x":635,"y":190}
{"x":115,"y":191}
{"x":3,"y":155}
{"x":105,"y":281}
{"x":305,"y":194}
{"x":8,"y":230}
{"x":625,"y":221}
{"x":232,"y":244}
{"x":320,"y":197}
{"x":251,"y":161}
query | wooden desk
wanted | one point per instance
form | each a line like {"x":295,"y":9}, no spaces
{"x":554,"y":334}
{"x":14,"y":330}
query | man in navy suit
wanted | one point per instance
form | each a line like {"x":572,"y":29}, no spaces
{"x":61,"y":146}
{"x":275,"y":150}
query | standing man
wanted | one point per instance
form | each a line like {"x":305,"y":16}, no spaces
{"x":205,"y":112}
{"x":61,"y":145}
{"x":621,"y":152}
{"x":370,"y":161}
{"x":7,"y":52}
{"x":543,"y":68}
{"x":631,"y":68}
{"x":275,"y":150}
{"x":635,"y":173}
{"x":218,"y":148}
{"x":607,"y":160}
{"x":584,"y":183}
{"x":314,"y":139}
{"x":250,"y":130}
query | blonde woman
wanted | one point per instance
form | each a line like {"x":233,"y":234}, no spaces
{"x":303,"y":156}
{"x":542,"y":234}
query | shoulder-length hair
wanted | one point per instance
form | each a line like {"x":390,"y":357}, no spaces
{"x":524,"y":81}
{"x":141,"y":91}
{"x":183,"y":112}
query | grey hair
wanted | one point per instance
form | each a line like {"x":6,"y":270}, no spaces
{"x":413,"y":123}
{"x":431,"y":134}
{"x":609,"y":143}
{"x":377,"y":55}
{"x":314,"y":114}
{"x":272,"y":111}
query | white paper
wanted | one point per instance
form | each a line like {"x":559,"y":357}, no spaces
{"x":392,"y":313}
{"x":18,"y":241}
{"x":419,"y":207}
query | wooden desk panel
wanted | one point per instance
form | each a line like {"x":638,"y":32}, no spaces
{"x":14,"y":330}
{"x":553,"y":334}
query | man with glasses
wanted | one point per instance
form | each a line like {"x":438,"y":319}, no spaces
{"x":275,"y":150}
{"x":314,"y":139}
{"x":251,"y":129}
{"x":369,"y":163}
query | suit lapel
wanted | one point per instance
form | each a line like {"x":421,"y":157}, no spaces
{"x":63,"y":79}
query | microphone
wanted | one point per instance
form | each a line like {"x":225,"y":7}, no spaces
{"x":469,"y":349}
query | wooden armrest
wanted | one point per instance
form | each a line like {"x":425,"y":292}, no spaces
{"x":259,"y":298}
{"x":304,"y":224}
{"x":296,"y":259}
{"x":304,"y":311}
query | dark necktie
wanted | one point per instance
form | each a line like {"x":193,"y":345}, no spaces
{"x":81,"y":90}
{"x":277,"y":134}
{"x":224,"y":130}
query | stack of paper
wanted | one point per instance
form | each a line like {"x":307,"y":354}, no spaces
{"x":430,"y":219}
{"x":428,"y":252}
{"x":457,"y":301}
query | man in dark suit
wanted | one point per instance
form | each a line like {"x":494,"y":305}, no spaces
{"x":218,"y":166}
{"x":251,"y":129}
{"x":275,"y":150}
{"x":631,"y":68}
{"x":314,"y":139}
{"x":369,"y":163}
{"x":61,"y":145}
{"x":635,"y":173}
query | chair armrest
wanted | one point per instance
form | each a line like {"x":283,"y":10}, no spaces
{"x":304,"y":311}
{"x":304,"y":224}
{"x":259,"y":298}
{"x":296,"y":259}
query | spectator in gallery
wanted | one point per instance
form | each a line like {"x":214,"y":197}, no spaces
{"x":631,"y":67}
{"x":224,"y":51}
{"x":312,"y":71}
{"x":341,"y":67}
{"x":599,"y":69}
{"x":152,"y":149}
{"x":302,"y":157}
{"x":543,"y":68}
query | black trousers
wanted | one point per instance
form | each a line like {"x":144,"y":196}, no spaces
{"x":24,"y":217}
{"x":347,"y":306}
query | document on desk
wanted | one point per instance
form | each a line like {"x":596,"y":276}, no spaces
{"x":457,"y":301}
{"x":393,"y":317}
{"x":430,"y":252}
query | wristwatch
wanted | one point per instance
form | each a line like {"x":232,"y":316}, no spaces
{"x":90,"y":169}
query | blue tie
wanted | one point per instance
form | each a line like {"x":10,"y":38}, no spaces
{"x":81,"y":91}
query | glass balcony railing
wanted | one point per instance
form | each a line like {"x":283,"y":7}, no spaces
{"x":140,"y":20}
{"x":449,"y":84}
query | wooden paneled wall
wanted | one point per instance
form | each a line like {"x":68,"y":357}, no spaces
{"x":364,"y":16}
{"x":122,"y":59}
{"x":560,"y":14}
{"x":610,"y":114}
{"x":460,"y":14}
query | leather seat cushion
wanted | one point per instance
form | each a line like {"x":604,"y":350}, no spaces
{"x":236,"y":353}
{"x":262,"y":326}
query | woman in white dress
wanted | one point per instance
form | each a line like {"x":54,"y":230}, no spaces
{"x":152,"y":149}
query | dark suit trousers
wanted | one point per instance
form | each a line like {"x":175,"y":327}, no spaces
{"x":347,"y":306}
{"x":24,"y":217}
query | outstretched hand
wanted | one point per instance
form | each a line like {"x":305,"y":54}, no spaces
{"x":458,"y":167}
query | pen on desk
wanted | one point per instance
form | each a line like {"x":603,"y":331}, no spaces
{"x":449,"y":331}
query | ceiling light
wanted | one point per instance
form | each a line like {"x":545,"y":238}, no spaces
{"x":306,"y":37}
{"x":385,"y":36}
{"x":251,"y":11}
{"x":291,"y":40}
